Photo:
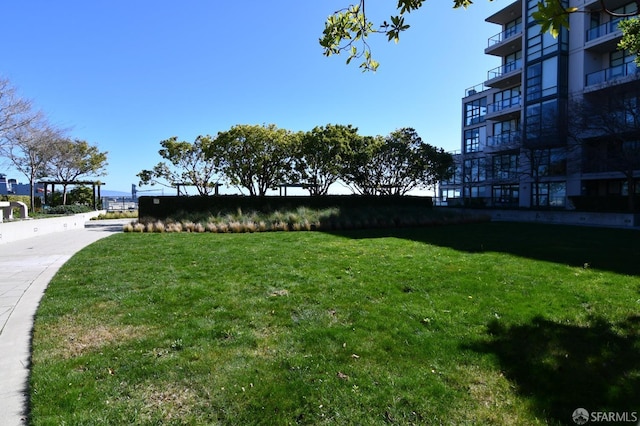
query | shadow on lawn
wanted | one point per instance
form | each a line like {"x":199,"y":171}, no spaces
{"x":562,"y":367}
{"x":616,"y":250}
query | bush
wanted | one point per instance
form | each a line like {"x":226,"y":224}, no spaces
{"x":70,"y":209}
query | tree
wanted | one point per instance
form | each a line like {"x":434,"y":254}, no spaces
{"x":606,"y":125}
{"x":188,"y":165}
{"x":399,"y":163}
{"x":348,"y":29}
{"x":15,"y":112}
{"x":631,"y":37}
{"x":256,"y":158}
{"x":321,"y":156}
{"x":75,"y":159}
{"x":357,"y":173}
{"x":30,"y":148}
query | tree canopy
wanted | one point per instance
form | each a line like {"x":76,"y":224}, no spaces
{"x":74,"y":159}
{"x":347,"y":29}
{"x":187,"y":164}
{"x":322,"y":155}
{"x":254,"y":157}
{"x":258,"y":158}
{"x":397,"y":164}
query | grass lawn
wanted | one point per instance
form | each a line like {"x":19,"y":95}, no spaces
{"x":493,"y":323}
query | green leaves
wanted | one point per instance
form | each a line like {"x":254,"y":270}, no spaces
{"x":347,"y":30}
{"x":630,"y":37}
{"x":189,"y":164}
{"x":552,"y":16}
{"x":350,"y":25}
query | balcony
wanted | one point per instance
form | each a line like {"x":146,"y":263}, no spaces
{"x":472,"y":91}
{"x":504,"y":109}
{"x":612,"y":76}
{"x":505,"y":76}
{"x":504,"y":141}
{"x":603,"y":38}
{"x":506,"y":42}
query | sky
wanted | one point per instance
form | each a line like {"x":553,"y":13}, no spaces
{"x":126,"y":74}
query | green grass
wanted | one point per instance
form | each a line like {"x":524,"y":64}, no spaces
{"x":492,"y":323}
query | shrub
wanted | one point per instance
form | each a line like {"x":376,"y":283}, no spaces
{"x":70,"y":209}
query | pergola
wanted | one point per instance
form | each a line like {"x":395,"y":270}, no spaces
{"x":94,"y":184}
{"x":179,"y":185}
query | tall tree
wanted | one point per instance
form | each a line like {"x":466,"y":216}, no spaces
{"x":322,"y":154}
{"x":397,"y":164}
{"x":606,"y":125}
{"x":30,"y":148}
{"x":256,"y":158}
{"x":15,"y":112}
{"x":347,"y":30}
{"x":75,"y":159}
{"x":187,"y":164}
{"x":357,"y":173}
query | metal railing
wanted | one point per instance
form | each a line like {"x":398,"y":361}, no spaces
{"x":504,"y":35}
{"x":612,"y":73}
{"x":504,"y":139}
{"x":504,"y":69}
{"x":604,"y":29}
{"x":504,"y":104}
{"x":475,"y":89}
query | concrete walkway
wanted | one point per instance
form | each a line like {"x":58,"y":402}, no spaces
{"x":26,"y":267}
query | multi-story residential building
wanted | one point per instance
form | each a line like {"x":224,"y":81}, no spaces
{"x":530,"y":137}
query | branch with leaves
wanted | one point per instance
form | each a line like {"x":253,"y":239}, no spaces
{"x":347,"y":30}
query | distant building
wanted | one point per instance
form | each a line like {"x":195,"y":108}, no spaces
{"x":12,"y":187}
{"x":518,"y":148}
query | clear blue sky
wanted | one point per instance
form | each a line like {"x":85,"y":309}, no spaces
{"x":126,"y":74}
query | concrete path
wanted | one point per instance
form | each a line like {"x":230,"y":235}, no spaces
{"x":26,"y":267}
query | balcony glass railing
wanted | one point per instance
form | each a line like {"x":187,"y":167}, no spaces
{"x":604,"y":29}
{"x":612,"y":73}
{"x":504,"y":104}
{"x":504,"y":139}
{"x":475,"y":89}
{"x":506,"y":34}
{"x":505,"y":69}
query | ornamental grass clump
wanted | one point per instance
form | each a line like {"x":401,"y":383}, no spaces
{"x":236,"y":227}
{"x":250,"y":226}
{"x":175,"y":227}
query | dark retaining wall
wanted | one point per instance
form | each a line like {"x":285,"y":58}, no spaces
{"x":161,"y":208}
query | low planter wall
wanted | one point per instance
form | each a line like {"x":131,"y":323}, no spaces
{"x":21,"y":229}
{"x":618,"y":220}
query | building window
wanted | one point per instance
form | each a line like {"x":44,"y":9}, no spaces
{"x":450,"y":193}
{"x":472,"y":140}
{"x":456,"y":177}
{"x":512,"y":28}
{"x":549,"y":194}
{"x":474,"y":191}
{"x":542,"y":79}
{"x":541,"y":120}
{"x":506,"y":99}
{"x":505,"y":195}
{"x":550,"y":162}
{"x":506,"y":126}
{"x":539,"y":43}
{"x":505,"y":166}
{"x":474,"y":170}
{"x":475,"y":111}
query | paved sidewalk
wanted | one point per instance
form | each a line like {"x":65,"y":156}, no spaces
{"x":26,"y":267}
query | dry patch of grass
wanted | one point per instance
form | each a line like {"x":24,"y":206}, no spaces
{"x":493,"y":398}
{"x":169,"y":401}
{"x":80,"y":339}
